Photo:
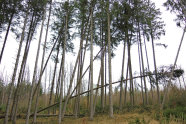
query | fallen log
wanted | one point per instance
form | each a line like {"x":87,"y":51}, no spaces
{"x":89,"y":91}
{"x":23,"y":116}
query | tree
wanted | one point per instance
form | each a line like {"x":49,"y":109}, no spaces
{"x":9,"y":10}
{"x":91,"y":68}
{"x":16,"y":66}
{"x":63,"y":58}
{"x":177,"y":7}
{"x":109,"y":63}
{"x":35,"y":68}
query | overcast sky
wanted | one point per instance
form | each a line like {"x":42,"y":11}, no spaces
{"x":164,"y":56}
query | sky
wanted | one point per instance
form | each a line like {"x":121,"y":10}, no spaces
{"x":164,"y":56}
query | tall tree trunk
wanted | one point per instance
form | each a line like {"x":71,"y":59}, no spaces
{"x":109,"y":64}
{"x":121,"y":84}
{"x":22,"y":69}
{"x":80,"y":70}
{"x":95,"y":99}
{"x":130,"y":71}
{"x":88,"y":94}
{"x":172,"y":71}
{"x":63,"y":64}
{"x":102,"y":63}
{"x":73,"y":73}
{"x":42,"y":67}
{"x":151,"y":87}
{"x":54,"y":75}
{"x":125,"y":98}
{"x":59,"y":81}
{"x":6,"y":36}
{"x":91,"y":68}
{"x":155,"y":68}
{"x":71,"y":81}
{"x":105,"y":74}
{"x":35,"y":71}
{"x":141,"y":74}
{"x":15,"y":68}
{"x":143,"y":68}
{"x":76,"y":106}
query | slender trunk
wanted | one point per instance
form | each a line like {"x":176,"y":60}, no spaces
{"x":80,"y":71}
{"x":109,"y":64}
{"x":172,"y":71}
{"x":88,"y":94}
{"x":141,"y":74}
{"x":130,"y":72}
{"x":63,"y":64}
{"x":95,"y":99}
{"x":79,"y":82}
{"x":125,"y":98}
{"x":35,"y":71}
{"x":151,"y":87}
{"x":102,"y":78}
{"x":91,"y":68}
{"x":105,"y":74}
{"x":77,"y":92}
{"x":143,"y":68}
{"x":54,"y":75}
{"x":121,"y":84}
{"x":46,"y":75}
{"x":6,"y":36}
{"x":102,"y":63}
{"x":17,"y":92}
{"x":42,"y":63}
{"x":72,"y":77}
{"x":155,"y":68}
{"x":15,"y":68}
{"x":59,"y":81}
{"x":71,"y":81}
{"x":23,"y":65}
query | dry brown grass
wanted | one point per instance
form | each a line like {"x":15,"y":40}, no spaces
{"x":128,"y":118}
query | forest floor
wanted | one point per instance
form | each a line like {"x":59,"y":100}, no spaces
{"x":128,"y":118}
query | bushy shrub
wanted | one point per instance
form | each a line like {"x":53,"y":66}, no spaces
{"x":178,"y":112}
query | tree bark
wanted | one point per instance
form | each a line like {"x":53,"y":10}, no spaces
{"x":54,"y":75}
{"x":121,"y":84}
{"x":63,"y":64}
{"x":109,"y":64}
{"x":91,"y":69}
{"x":42,"y":63}
{"x":95,"y":99}
{"x":15,"y":68}
{"x":143,"y":68}
{"x":141,"y":74}
{"x":35,"y":71}
{"x":130,"y":72}
{"x":125,"y":98}
{"x":155,"y":68}
{"x":151,"y":87}
{"x":102,"y":61}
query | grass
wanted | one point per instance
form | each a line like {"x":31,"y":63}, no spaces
{"x":126,"y":118}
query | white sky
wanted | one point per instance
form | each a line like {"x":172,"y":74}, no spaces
{"x":163,"y":56}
